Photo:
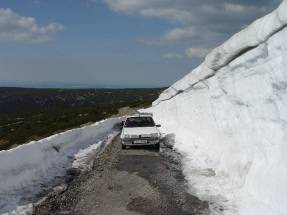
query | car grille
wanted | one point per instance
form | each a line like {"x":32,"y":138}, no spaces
{"x":139,"y":137}
{"x":134,"y":136}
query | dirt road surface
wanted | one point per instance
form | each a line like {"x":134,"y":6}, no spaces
{"x":127,"y":182}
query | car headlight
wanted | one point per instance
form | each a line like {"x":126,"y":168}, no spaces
{"x":155,"y":135}
{"x":126,"y":136}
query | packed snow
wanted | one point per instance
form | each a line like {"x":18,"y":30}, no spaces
{"x":29,"y":169}
{"x":229,"y":118}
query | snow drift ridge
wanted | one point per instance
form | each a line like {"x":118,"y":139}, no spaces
{"x":256,"y":33}
{"x":229,"y":118}
{"x":28,"y":169}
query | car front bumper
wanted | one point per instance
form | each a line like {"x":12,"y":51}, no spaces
{"x":139,"y":142}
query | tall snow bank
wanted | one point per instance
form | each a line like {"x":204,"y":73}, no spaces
{"x":27,"y":169}
{"x":252,"y":36}
{"x":231,"y":126}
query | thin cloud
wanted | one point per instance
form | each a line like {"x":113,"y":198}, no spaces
{"x":14,"y":27}
{"x":173,"y":56}
{"x":197,"y":52}
{"x":179,"y":34}
{"x":204,"y":23}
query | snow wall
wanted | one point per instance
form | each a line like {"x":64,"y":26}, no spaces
{"x":28,"y":169}
{"x":229,"y":117}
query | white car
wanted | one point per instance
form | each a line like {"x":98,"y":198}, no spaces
{"x":139,"y":130}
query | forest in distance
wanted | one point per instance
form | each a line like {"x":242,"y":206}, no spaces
{"x":31,"y":114}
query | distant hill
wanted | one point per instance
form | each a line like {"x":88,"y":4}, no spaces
{"x":30,"y":99}
{"x":30,"y":114}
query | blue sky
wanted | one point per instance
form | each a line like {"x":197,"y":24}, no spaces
{"x":114,"y":43}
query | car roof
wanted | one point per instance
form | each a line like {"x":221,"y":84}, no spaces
{"x":141,"y":115}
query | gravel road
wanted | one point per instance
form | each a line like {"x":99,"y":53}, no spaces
{"x":132,"y":181}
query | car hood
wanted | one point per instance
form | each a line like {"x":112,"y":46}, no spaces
{"x":140,"y":131}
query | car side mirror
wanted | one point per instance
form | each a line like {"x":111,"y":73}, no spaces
{"x":158,"y":126}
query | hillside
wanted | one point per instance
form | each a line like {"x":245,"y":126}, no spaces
{"x":30,"y":114}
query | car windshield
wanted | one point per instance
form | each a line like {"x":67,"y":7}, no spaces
{"x":139,"y":122}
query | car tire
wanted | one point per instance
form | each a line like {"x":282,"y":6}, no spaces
{"x":157,"y":146}
{"x":124,"y":146}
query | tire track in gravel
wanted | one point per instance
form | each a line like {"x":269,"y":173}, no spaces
{"x":133,"y":181}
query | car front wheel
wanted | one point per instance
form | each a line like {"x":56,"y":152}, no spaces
{"x":124,"y":146}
